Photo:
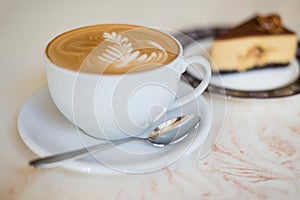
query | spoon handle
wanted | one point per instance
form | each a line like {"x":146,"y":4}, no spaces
{"x":64,"y":158}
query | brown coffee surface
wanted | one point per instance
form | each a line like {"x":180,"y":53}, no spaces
{"x":112,"y":49}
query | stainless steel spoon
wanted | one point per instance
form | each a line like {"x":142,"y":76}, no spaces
{"x":169,"y":132}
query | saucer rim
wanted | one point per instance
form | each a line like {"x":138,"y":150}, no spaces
{"x":81,"y":166}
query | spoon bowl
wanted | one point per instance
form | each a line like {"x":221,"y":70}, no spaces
{"x":170,"y":132}
{"x":173,"y":131}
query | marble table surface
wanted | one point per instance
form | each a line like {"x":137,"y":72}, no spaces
{"x":256,"y":156}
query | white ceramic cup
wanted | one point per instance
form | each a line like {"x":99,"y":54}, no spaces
{"x":118,"y":106}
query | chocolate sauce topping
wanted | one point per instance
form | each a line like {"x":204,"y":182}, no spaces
{"x":257,"y":26}
{"x":271,"y":24}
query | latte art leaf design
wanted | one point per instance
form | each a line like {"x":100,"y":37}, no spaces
{"x":122,"y":53}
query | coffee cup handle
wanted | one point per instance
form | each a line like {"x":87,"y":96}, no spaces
{"x":180,"y":101}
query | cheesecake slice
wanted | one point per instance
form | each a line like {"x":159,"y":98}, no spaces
{"x":260,"y":42}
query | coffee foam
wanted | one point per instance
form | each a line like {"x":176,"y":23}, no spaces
{"x":112,"y":49}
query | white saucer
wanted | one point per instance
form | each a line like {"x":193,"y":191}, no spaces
{"x":253,"y":80}
{"x":45,"y":131}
